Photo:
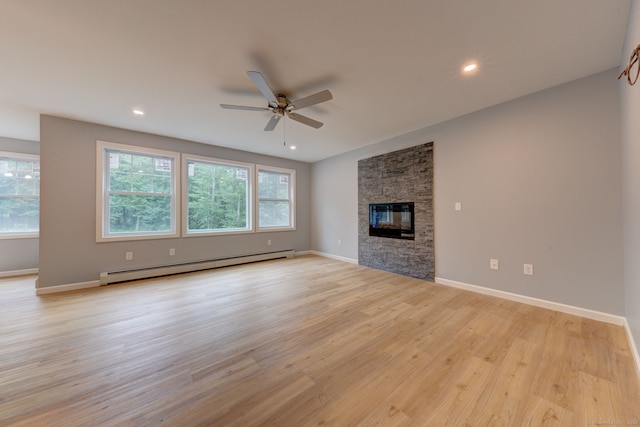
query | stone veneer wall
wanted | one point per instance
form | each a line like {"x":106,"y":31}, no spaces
{"x":401,"y":176}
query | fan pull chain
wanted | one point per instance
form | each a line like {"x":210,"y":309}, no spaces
{"x":284,"y":126}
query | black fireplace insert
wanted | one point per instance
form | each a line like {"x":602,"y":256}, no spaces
{"x":394,"y":220}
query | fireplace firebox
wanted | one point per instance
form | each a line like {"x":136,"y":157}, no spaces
{"x":394,"y":220}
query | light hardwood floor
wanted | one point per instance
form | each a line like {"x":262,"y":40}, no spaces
{"x":304,"y":342}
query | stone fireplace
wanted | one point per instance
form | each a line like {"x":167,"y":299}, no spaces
{"x":404,"y":176}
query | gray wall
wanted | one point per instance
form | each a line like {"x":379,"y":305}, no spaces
{"x":539,"y":181}
{"x":68,"y":250}
{"x":630,"y":97}
{"x":18,"y":254}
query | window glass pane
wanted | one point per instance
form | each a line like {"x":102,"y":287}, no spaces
{"x":26,"y":185}
{"x":140,"y":192}
{"x":119,"y":181}
{"x":163,"y":166}
{"x":130,"y":213}
{"x":9,"y":176}
{"x":7,"y":166}
{"x":162,"y":184}
{"x":119,"y":171}
{"x":142,"y":164}
{"x":142,"y":183}
{"x":274,"y":213}
{"x":120,"y":162}
{"x":273,"y":185}
{"x":218,"y":197}
{"x":4,"y":165}
{"x":19,"y":214}
{"x":142,"y":174}
{"x":24,"y":167}
{"x":7,"y":183}
{"x":19,"y":191}
{"x":275,"y":198}
{"x":139,"y":173}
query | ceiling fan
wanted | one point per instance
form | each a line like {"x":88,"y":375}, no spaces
{"x":280,"y":105}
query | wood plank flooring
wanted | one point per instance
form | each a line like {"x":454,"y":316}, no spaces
{"x":308,"y":341}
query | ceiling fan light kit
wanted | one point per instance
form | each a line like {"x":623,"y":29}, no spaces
{"x":280,"y":105}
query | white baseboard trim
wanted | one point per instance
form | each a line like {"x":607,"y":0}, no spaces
{"x":69,"y":287}
{"x":569,"y":309}
{"x":634,"y":347}
{"x":27,"y":272}
{"x":326,"y":255}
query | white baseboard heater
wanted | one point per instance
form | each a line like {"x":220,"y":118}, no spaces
{"x":166,"y":270}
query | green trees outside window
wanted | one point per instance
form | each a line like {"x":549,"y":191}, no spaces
{"x":140,"y":193}
{"x":275,"y":199}
{"x":19,"y":194}
{"x":146,"y":193}
{"x":218,"y":197}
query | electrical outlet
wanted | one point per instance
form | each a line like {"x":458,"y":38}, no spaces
{"x":493,"y":264}
{"x":528,"y":269}
{"x":172,"y":251}
{"x":458,"y":206}
{"x":128,"y":256}
{"x":269,"y":242}
{"x":339,"y":242}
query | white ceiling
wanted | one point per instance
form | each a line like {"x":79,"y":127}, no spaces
{"x":392,"y":66}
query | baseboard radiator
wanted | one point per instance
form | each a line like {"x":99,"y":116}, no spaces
{"x":166,"y":270}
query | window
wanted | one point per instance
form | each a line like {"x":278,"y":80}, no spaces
{"x":137,"y":192}
{"x":218,"y":196}
{"x":276,"y":189}
{"x":138,"y":195}
{"x":19,"y":195}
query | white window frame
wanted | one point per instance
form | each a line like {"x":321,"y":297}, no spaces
{"x":102,"y":206}
{"x":291,"y":200}
{"x":22,"y":235}
{"x":185,"y":200}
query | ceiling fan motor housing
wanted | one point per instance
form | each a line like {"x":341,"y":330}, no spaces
{"x":283,"y":103}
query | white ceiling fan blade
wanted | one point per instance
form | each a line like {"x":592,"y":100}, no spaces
{"x":243,"y":107}
{"x":310,"y":100}
{"x":261,"y":83}
{"x":305,"y":120}
{"x":271,"y":124}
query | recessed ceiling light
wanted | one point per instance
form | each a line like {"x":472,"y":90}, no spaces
{"x":138,"y":112}
{"x":470,"y":67}
{"x":292,"y":147}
